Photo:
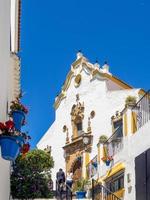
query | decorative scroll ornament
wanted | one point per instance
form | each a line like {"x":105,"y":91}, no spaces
{"x":65,"y":130}
{"x":77,"y":112}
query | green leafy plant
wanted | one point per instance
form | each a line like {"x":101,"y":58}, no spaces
{"x":103,"y":139}
{"x":80,"y":185}
{"x":31,"y":176}
{"x":130,"y":100}
{"x":17,"y":105}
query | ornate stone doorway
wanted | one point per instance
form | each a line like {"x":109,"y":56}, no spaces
{"x":77,"y":169}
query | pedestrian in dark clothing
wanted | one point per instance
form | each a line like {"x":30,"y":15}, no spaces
{"x":60,"y":176}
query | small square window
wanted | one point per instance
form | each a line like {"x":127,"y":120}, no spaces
{"x":79,"y":126}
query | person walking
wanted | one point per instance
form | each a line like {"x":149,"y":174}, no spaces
{"x":60,"y":178}
{"x":69,"y":179}
{"x":69,"y":182}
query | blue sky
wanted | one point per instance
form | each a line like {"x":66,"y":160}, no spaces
{"x":52,"y":31}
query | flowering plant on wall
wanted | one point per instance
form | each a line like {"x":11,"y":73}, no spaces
{"x":8,"y":129}
{"x":17,"y":105}
{"x":18,"y":112}
{"x":12,"y":141}
{"x":24,"y":149}
{"x":106,"y":158}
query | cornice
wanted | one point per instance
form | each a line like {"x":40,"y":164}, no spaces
{"x":94,"y":71}
{"x":16,"y":75}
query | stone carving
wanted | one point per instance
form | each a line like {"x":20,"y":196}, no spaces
{"x":77,"y":112}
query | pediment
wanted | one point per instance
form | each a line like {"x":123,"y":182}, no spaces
{"x":93,"y":70}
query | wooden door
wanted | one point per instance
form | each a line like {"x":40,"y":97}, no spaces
{"x":140,"y":175}
{"x":148,"y":174}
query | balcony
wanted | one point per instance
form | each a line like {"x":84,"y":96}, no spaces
{"x":141,"y":112}
{"x":92,"y":168}
{"x":115,"y":143}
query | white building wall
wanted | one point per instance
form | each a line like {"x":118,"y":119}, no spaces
{"x":133,"y":145}
{"x":138,"y":143}
{"x":97,"y":96}
{"x":4,"y":71}
{"x":7,"y":86}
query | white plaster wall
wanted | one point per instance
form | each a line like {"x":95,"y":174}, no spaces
{"x":96,"y":96}
{"x":5,"y":83}
{"x":133,"y":145}
{"x":139,"y":143}
{"x":4,"y":54}
{"x":55,"y":138}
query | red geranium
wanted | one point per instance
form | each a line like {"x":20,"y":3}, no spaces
{"x":24,"y":109}
{"x":9,"y":124}
{"x":2,"y":126}
{"x":25,"y":149}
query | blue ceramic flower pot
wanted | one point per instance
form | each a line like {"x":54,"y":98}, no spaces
{"x":107,"y":162}
{"x":80,"y":194}
{"x":94,"y":164}
{"x":10,"y":147}
{"x":18,"y":118}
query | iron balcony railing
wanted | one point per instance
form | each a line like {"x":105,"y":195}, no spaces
{"x":92,"y":168}
{"x":100,"y":192}
{"x":142,"y":111}
{"x":115,"y":143}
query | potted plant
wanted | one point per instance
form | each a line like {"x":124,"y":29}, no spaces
{"x":94,"y":163}
{"x":107,"y":160}
{"x":130,"y":101}
{"x":17,"y":112}
{"x":11,"y":141}
{"x":80,"y":188}
{"x":24,"y":149}
{"x":103,"y":139}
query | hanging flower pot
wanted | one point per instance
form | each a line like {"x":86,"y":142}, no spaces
{"x":80,"y":194}
{"x":94,"y":164}
{"x":107,"y":162}
{"x":10,"y":147}
{"x":18,"y":119}
{"x":17,"y":112}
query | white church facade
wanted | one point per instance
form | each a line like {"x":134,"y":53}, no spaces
{"x":93,"y":105}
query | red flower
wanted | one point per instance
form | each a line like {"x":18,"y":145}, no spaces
{"x":2,"y":126}
{"x":24,"y":109}
{"x":9,"y":124}
{"x":25,"y":148}
{"x":104,"y":158}
{"x":24,"y":122}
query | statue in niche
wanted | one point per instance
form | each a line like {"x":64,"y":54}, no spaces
{"x":77,"y":116}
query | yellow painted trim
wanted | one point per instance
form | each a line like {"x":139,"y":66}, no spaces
{"x":120,"y":193}
{"x":59,"y":99}
{"x":142,"y":92}
{"x":133,"y":122}
{"x":99,"y":152}
{"x":114,"y":170}
{"x":118,"y":81}
{"x":113,"y":78}
{"x":77,"y":62}
{"x":94,"y":72}
{"x":68,"y":81}
{"x":125,"y":125}
{"x":87,"y":158}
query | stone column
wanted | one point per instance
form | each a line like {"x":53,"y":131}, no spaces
{"x":86,"y":160}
